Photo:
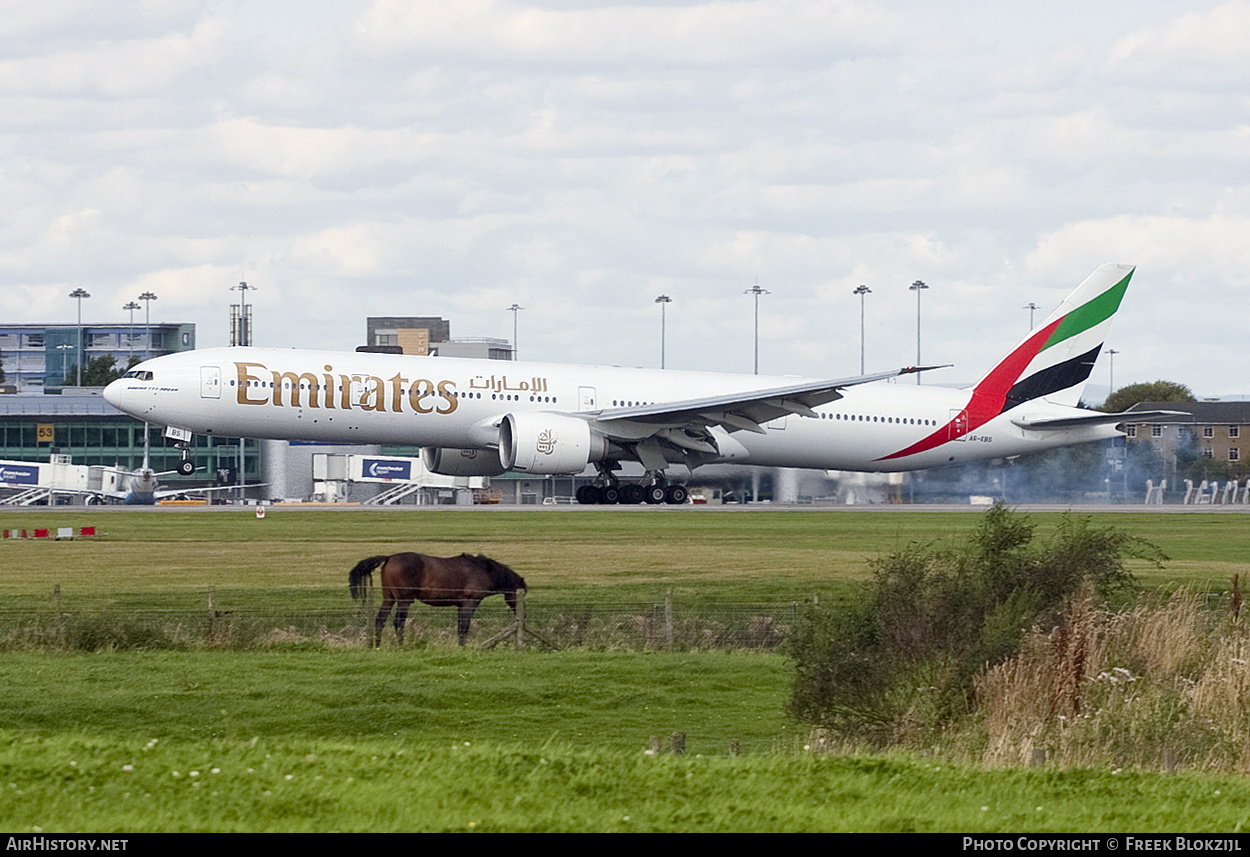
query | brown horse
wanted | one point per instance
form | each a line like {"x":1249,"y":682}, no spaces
{"x":455,"y":581}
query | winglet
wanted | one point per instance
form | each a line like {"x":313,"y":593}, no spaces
{"x":912,"y":370}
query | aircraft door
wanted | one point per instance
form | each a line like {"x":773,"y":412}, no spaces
{"x":586,"y":399}
{"x":958,"y":425}
{"x":210,"y":382}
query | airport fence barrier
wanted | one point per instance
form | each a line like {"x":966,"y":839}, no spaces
{"x":231,"y":620}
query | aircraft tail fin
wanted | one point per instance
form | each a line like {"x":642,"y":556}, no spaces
{"x":1054,"y":361}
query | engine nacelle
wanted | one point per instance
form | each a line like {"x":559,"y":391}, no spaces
{"x":548,"y":443}
{"x":450,"y":461}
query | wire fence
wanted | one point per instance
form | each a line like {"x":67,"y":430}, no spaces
{"x":664,"y":624}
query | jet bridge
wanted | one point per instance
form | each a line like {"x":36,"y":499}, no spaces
{"x":31,"y":482}
{"x":408,"y":479}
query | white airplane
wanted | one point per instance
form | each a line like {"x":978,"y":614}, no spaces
{"x":143,"y":488}
{"x":474,"y":418}
{"x":144,"y":483}
{"x":140,"y":489}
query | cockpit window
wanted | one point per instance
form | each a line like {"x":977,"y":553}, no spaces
{"x":138,"y":375}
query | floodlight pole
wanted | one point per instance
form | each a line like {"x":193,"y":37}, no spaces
{"x":514,"y":309}
{"x":917,"y":287}
{"x":79,"y":294}
{"x":1031,"y":307}
{"x":130,"y":339}
{"x":147,"y":298}
{"x":63,"y":347}
{"x":757,"y":291}
{"x":663,"y":301}
{"x":861,"y":291}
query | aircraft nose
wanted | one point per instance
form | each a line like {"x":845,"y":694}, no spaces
{"x":113,"y":394}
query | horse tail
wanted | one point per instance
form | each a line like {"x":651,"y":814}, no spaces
{"x":358,"y":575}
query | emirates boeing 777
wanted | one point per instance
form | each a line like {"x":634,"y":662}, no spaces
{"x":478,"y":418}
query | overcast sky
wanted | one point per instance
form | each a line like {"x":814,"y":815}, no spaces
{"x":578,"y":158}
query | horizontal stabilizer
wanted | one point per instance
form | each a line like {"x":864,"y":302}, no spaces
{"x":1097,"y":418}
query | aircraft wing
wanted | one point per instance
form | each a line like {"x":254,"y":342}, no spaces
{"x":1096,"y":418}
{"x":174,"y":492}
{"x":732,"y":412}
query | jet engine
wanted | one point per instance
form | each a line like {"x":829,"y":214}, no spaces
{"x":450,"y":461}
{"x":548,"y":443}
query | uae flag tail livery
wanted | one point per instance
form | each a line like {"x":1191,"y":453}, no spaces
{"x":1052,"y":364}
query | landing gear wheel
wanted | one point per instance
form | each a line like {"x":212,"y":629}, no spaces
{"x":633,"y":494}
{"x":656,"y":494}
{"x":675,"y":495}
{"x":588,"y":495}
{"x":609,"y":495}
{"x":186,"y":467}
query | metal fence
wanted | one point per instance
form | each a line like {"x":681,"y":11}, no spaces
{"x":664,"y":624}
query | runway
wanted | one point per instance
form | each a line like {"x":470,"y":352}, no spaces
{"x":729,"y":508}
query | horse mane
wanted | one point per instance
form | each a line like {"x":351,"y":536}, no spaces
{"x":501,"y":577}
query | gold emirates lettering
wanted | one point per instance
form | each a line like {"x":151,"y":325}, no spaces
{"x":260,"y":385}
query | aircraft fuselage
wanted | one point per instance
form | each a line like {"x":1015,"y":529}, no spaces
{"x":458,"y":403}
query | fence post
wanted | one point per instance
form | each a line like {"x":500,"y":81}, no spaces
{"x":668,"y":619}
{"x":520,"y":620}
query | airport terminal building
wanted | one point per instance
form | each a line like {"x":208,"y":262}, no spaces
{"x":35,"y":357}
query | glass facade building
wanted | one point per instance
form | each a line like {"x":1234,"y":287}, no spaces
{"x":92,"y":432}
{"x":38,"y":356}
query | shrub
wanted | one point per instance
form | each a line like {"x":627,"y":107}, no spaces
{"x":898,"y":665}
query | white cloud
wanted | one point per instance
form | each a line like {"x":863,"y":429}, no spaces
{"x":1213,"y":247}
{"x":127,"y":67}
{"x":712,"y":32}
{"x":1201,"y":49}
{"x":307,"y":152}
{"x":581,"y":158}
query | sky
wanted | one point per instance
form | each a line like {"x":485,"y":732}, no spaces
{"x":581,"y":158}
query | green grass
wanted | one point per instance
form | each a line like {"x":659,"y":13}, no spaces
{"x":81,"y":783}
{"x":464,"y":740}
{"x":741,"y":554}
{"x":376,"y":740}
{"x":600,"y":699}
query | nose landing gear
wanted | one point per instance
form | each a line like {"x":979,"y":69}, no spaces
{"x":186,"y":466}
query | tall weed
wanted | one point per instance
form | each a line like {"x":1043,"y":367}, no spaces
{"x":1163,"y":684}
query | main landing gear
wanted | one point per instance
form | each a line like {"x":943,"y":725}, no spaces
{"x":632,"y":493}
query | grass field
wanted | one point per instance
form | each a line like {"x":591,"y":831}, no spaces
{"x":745,"y":554}
{"x":309,"y":736}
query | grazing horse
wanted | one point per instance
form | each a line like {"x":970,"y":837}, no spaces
{"x":455,"y":581}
